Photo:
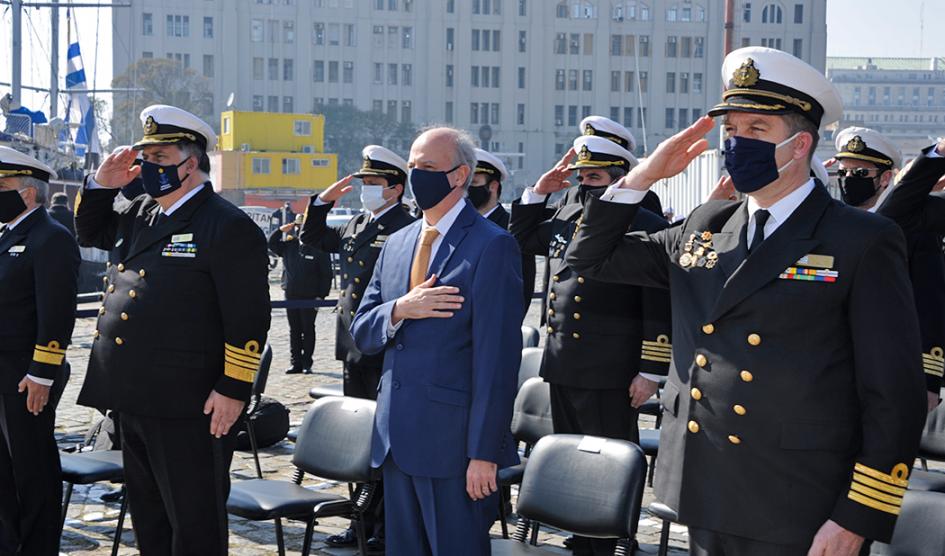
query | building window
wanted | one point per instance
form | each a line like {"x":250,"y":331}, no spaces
{"x":474,"y":113}
{"x":746,"y":12}
{"x":407,"y":77}
{"x":449,"y":75}
{"x":302,"y":128}
{"x":318,"y":74}
{"x":449,"y":112}
{"x":391,"y":74}
{"x":288,"y":105}
{"x":351,"y":37}
{"x":520,"y":114}
{"x":392,"y":109}
{"x":671,"y":14}
{"x":697,"y":83}
{"x":644,"y":46}
{"x":561,"y":43}
{"x":585,"y":111}
{"x":683,"y":117}
{"x":574,"y":44}
{"x":449,"y":38}
{"x":559,"y":80}
{"x":684,"y":83}
{"x":259,"y":71}
{"x":771,"y":13}
{"x":288,"y":70}
{"x":672,"y":44}
{"x":496,"y":41}
{"x":670,"y":82}
{"x":522,"y":41}
{"x":392,"y":5}
{"x":407,"y":37}
{"x":378,"y":73}
{"x":798,"y":48}
{"x":559,"y":117}
{"x":495,"y":76}
{"x":260,"y":165}
{"x":208,"y":27}
{"x":474,"y":42}
{"x":147,"y":25}
{"x":572,"y":80}
{"x":318,"y":34}
{"x":561,"y":11}
{"x":377,"y":106}
{"x":628,"y":116}
{"x":798,"y":13}
{"x":288,"y":31}
{"x":450,"y":6}
{"x":670,"y":118}
{"x":644,"y":82}
{"x":178,"y":26}
{"x":332,"y":72}
{"x":392,"y":34}
{"x":615,"y":113}
{"x":208,"y":65}
{"x":406,"y":111}
{"x":290,"y":166}
{"x":572,"y":115}
{"x":685,"y":47}
{"x":347,"y":72}
{"x":522,"y":8}
{"x":494,"y":110}
{"x":615,"y":82}
{"x":334,"y":34}
{"x":587,"y":80}
{"x":273,"y":69}
{"x":698,"y":50}
{"x":685,"y":13}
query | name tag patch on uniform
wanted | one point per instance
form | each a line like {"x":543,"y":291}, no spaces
{"x":185,"y":250}
{"x":815,"y":261}
{"x":809,"y":274}
{"x":17,"y":249}
{"x":119,"y":242}
{"x":181,"y":238}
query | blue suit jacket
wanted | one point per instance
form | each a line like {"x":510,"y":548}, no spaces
{"x":448,"y":385}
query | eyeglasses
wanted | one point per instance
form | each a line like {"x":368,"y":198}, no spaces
{"x":855,"y":172}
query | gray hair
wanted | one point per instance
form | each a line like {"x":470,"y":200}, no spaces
{"x":615,"y":173}
{"x":465,"y":149}
{"x":41,"y":187}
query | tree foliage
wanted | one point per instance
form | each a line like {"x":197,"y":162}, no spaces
{"x":348,"y":130}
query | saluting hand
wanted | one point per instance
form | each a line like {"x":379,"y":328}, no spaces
{"x":286,"y":228}
{"x":117,"y":170}
{"x":556,"y":179}
{"x":225,"y":412}
{"x":37,"y":395}
{"x":671,"y":156}
{"x":834,"y":540}
{"x":426,"y":301}
{"x":337,"y":190}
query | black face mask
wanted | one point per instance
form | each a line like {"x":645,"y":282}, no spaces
{"x":11,"y":205}
{"x":855,"y":190}
{"x":160,"y":180}
{"x":479,"y":195}
{"x":592,"y":190}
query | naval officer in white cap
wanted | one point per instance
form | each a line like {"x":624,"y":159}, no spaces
{"x":791,"y":419}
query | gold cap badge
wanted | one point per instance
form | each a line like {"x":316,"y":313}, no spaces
{"x":588,"y":130}
{"x":366,"y":165}
{"x":746,"y":75}
{"x":585,"y":154}
{"x":856,"y":144}
{"x":150,"y":126}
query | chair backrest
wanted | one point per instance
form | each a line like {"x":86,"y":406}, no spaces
{"x":590,"y":486}
{"x":335,"y":440}
{"x":531,"y":416}
{"x":530,"y":337}
{"x":920,"y":529}
{"x":530,"y":365}
{"x":262,"y":375}
{"x":932,"y":445}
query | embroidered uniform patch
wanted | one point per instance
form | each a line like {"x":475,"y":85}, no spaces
{"x":185,"y":250}
{"x":809,"y":274}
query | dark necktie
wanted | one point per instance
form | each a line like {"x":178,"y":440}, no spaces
{"x":761,"y":218}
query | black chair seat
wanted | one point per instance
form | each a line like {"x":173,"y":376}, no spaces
{"x":261,"y":499}
{"x":85,"y":468}
{"x":928,"y":481}
{"x":650,"y":441}
{"x":663,"y":511}
{"x":651,"y":407}
{"x":326,"y":390}
{"x":512,"y":475}
{"x":503,"y":547}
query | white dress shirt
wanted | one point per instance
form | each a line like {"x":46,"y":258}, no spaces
{"x":6,"y":230}
{"x":493,"y":209}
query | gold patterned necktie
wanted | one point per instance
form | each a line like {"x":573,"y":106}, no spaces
{"x":421,"y":262}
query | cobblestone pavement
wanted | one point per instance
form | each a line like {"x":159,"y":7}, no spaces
{"x":91,"y":523}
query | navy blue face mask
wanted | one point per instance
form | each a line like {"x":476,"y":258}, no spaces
{"x":158,"y":180}
{"x":429,"y":187}
{"x":751,"y":162}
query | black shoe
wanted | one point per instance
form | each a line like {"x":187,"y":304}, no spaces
{"x":307,"y":370}
{"x":346,"y":538}
{"x":293,"y":371}
{"x":568,"y":542}
{"x":375,"y":546}
{"x":112,"y":496}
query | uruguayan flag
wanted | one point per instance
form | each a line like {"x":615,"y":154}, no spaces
{"x":80,"y":105}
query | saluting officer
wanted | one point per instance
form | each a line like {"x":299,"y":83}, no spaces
{"x":791,"y":420}
{"x":484,"y":193}
{"x":39,"y":270}
{"x":606,"y":343}
{"x":306,"y":275}
{"x":181,"y":330}
{"x":867,"y":168}
{"x":383,"y":175}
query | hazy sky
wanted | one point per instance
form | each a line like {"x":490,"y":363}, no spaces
{"x":854,"y":28}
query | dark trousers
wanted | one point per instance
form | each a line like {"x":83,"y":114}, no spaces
{"x":30,"y":479}
{"x":301,"y":336}
{"x":360,"y":381}
{"x":435,"y":517}
{"x":703,"y":542}
{"x":178,"y":482}
{"x":604,"y":413}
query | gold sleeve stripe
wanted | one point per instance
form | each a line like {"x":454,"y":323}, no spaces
{"x":238,"y":373}
{"x":863,"y":479}
{"x":654,"y":353}
{"x":655,"y":359}
{"x":656,"y":347}
{"x":875,"y":494}
{"x":41,"y":356}
{"x":934,"y":372}
{"x":251,"y":349}
{"x":52,"y":347}
{"x":244,"y":364}
{"x":870,"y":503}
{"x":236,"y":357}
{"x":899,"y":479}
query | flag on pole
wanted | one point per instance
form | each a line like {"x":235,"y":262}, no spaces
{"x":80,"y":107}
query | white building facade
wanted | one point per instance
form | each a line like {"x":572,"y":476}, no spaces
{"x":519,"y":74}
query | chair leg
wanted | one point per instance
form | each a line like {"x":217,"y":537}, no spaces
{"x":121,"y":520}
{"x":503,"y":517}
{"x":309,"y":531}
{"x":925,"y":464}
{"x":359,"y":530}
{"x":664,"y":539}
{"x":65,"y":504}
{"x":536,"y":526}
{"x":251,"y":432}
{"x":280,"y":541}
{"x":652,"y":470}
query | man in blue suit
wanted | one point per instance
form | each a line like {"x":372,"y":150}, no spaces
{"x":444,"y":305}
